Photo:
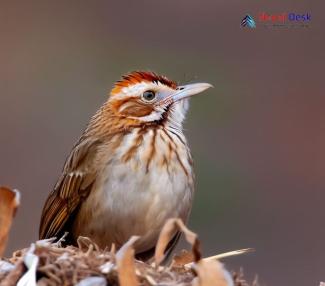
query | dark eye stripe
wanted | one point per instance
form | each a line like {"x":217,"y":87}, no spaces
{"x":135,"y":108}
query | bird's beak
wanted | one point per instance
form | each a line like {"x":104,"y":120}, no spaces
{"x":184,"y":91}
{"x":188,"y":90}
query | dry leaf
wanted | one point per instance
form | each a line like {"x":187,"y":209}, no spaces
{"x":93,"y":281}
{"x":183,"y":258}
{"x":107,"y":267}
{"x":6,"y":266}
{"x":167,"y":233}
{"x":125,"y":264}
{"x":211,"y":273}
{"x":9,"y":201}
{"x":31,"y":262}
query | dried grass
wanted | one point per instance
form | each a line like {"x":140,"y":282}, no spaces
{"x":48,"y":263}
{"x":70,"y":265}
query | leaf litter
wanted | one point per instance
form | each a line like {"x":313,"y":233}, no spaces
{"x":48,"y":263}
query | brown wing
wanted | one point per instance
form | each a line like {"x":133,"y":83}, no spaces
{"x":78,"y":176}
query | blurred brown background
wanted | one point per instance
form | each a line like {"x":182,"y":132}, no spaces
{"x":258,"y":137}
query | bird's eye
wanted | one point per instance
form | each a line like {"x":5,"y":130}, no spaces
{"x":148,"y":95}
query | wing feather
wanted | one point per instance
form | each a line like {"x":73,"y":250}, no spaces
{"x":79,"y":174}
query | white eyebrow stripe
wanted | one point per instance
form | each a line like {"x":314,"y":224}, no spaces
{"x":138,"y":88}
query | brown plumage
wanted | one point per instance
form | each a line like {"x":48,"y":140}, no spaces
{"x":130,"y":170}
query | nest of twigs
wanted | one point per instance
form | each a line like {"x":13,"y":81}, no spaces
{"x":46,"y":262}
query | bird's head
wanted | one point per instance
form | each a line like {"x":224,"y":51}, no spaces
{"x":147,"y":97}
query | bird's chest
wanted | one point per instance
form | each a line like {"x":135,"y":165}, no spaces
{"x":146,"y":181}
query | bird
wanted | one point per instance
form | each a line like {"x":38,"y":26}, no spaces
{"x":131,"y":169}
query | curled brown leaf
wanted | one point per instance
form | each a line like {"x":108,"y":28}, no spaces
{"x":211,"y":273}
{"x":9,"y":201}
{"x":183,"y":258}
{"x":170,"y":228}
{"x":125,"y":264}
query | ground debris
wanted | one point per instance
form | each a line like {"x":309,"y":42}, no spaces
{"x":81,"y":266}
{"x":48,"y":263}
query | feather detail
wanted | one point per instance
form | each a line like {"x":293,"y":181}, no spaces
{"x":74,"y":185}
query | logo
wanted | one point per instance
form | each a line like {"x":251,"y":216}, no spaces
{"x":278,"y":20}
{"x":284,"y":17}
{"x":248,"y":21}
